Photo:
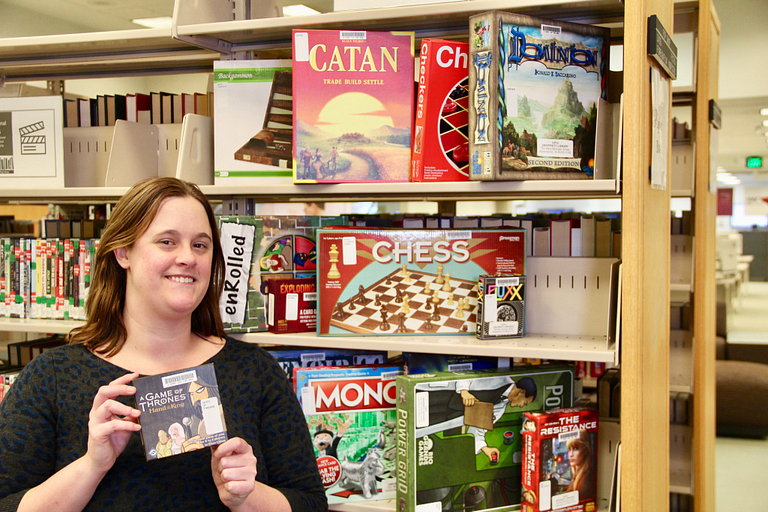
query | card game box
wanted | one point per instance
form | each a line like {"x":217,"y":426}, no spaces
{"x":350,"y":414}
{"x":302,"y":357}
{"x":292,"y":305}
{"x":257,"y":249}
{"x":535,"y":86}
{"x":440,"y":149}
{"x":409,"y":282}
{"x":181,"y":411}
{"x":501,"y":307}
{"x":459,"y":442}
{"x":253,"y":124}
{"x":415,"y":362}
{"x":560,"y":454}
{"x":353,"y":105}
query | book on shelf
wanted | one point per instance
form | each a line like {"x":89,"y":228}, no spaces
{"x":587,"y":235}
{"x":541,"y":241}
{"x":353,"y":105}
{"x":440,"y":149}
{"x":71,"y":114}
{"x":543,"y":79}
{"x":602,"y":237}
{"x":178,"y":109}
{"x":20,"y":353}
{"x":101,"y":110}
{"x":166,"y":107}
{"x":560,"y":236}
{"x":84,"y":115}
{"x":201,"y":104}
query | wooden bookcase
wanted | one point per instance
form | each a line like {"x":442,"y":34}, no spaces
{"x":199,"y":37}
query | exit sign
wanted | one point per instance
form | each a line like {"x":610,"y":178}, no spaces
{"x":754,"y":162}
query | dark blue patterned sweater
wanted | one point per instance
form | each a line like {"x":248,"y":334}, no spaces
{"x":44,"y":427}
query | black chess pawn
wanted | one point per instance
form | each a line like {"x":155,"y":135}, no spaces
{"x":384,"y":324}
{"x":464,"y":328}
{"x":398,"y":295}
{"x":428,"y":305}
{"x":361,"y":295}
{"x":352,"y":305}
{"x":338,"y":312}
{"x":401,"y":329}
{"x":428,"y":326}
{"x":377,"y":302}
{"x":436,"y":315}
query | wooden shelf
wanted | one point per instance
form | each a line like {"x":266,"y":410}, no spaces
{"x":38,"y":325}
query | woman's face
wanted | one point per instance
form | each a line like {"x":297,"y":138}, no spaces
{"x":575,"y":455}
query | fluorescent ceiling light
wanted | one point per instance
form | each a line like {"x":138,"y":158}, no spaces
{"x":298,"y":10}
{"x":764,"y":111}
{"x":163,"y":22}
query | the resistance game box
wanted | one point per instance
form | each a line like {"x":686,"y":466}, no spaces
{"x":180,"y":411}
{"x":459,"y":442}
{"x":406,"y":282}
{"x":560,"y":454}
{"x":350,"y":415}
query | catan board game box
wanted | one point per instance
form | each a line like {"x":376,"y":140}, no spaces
{"x":560,"y":454}
{"x":501,"y":307}
{"x":350,"y":413}
{"x":257,"y":249}
{"x":440,"y":149}
{"x":352,"y":105}
{"x":408,"y":282}
{"x":181,"y":411}
{"x":459,"y":442}
{"x":535,"y":87}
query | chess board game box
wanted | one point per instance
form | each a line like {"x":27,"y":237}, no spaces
{"x":535,"y":86}
{"x":353,"y":105}
{"x":560,"y":454}
{"x":350,"y":414}
{"x":181,"y":411}
{"x":459,"y":442}
{"x":440,"y":149}
{"x":408,"y":282}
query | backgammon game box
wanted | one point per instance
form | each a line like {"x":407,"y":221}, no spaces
{"x":440,"y":149}
{"x":501,"y":307}
{"x":560,"y":453}
{"x":535,"y":86}
{"x":253,"y":124}
{"x":409,"y":282}
{"x":459,"y":442}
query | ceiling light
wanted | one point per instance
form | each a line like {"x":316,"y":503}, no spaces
{"x":302,"y":10}
{"x":764,"y":111}
{"x":163,"y":22}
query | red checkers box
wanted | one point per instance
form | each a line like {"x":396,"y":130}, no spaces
{"x":409,"y":282}
{"x":440,"y":146}
{"x":292,"y":305}
{"x":560,"y":460}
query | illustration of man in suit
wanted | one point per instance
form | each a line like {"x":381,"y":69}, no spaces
{"x":326,"y":441}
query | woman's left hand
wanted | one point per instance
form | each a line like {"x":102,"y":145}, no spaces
{"x":234,"y":471}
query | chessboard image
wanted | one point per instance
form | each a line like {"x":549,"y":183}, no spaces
{"x":410,"y":302}
{"x":454,"y":119}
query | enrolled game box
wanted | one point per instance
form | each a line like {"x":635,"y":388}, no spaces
{"x":406,"y":282}
{"x":440,"y":149}
{"x":459,"y":443}
{"x":560,"y":453}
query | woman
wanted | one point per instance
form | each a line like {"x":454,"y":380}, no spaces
{"x":582,"y":466}
{"x":67,"y":431}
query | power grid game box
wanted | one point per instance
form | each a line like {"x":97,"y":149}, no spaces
{"x":501,"y":307}
{"x":180,"y":411}
{"x":406,"y":282}
{"x":350,"y":415}
{"x":459,"y":442}
{"x":560,"y":454}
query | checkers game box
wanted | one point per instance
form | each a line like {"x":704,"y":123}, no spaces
{"x":406,"y":282}
{"x":459,"y":442}
{"x":560,"y":453}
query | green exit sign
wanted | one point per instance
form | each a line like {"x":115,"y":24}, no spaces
{"x":754,"y":162}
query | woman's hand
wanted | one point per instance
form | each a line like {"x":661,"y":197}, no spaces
{"x":234,"y":471}
{"x":111,"y":424}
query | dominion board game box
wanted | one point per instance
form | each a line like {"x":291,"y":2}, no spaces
{"x":292,"y":305}
{"x":415,"y":362}
{"x":500,"y":307}
{"x":440,"y":149}
{"x":352,"y":105}
{"x":459,"y":442}
{"x":406,"y":282}
{"x":350,"y":415}
{"x":180,"y":411}
{"x":253,"y":124}
{"x":535,"y":86}
{"x":289,"y":357}
{"x":560,"y":454}
{"x":257,"y":249}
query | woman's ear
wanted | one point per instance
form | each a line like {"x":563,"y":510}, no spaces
{"x":121,"y":256}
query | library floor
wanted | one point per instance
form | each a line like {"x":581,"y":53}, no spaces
{"x":740,"y":486}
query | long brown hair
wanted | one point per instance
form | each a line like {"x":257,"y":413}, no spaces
{"x":585,"y":471}
{"x":104,"y":331}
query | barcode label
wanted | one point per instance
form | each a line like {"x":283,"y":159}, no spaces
{"x":567,"y":436}
{"x":388,"y":375}
{"x":318,"y":356}
{"x":352,"y":34}
{"x":552,"y":30}
{"x":464,"y":367}
{"x":6,"y":165}
{"x":179,"y":378}
{"x":508,"y":281}
{"x":310,"y":296}
{"x":458,"y":235}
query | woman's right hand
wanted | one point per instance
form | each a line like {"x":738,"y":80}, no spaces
{"x":111,"y":424}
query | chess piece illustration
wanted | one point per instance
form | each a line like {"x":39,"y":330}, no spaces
{"x":334,"y":273}
{"x":447,"y":285}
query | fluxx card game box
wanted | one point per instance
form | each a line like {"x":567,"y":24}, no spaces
{"x":406,"y":282}
{"x":350,"y":415}
{"x":459,"y":442}
{"x":292,"y":305}
{"x":181,"y":411}
{"x":501,"y":307}
{"x":560,"y":454}
{"x":353,"y":105}
{"x":535,"y":86}
{"x":261,"y":248}
{"x":440,"y":149}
